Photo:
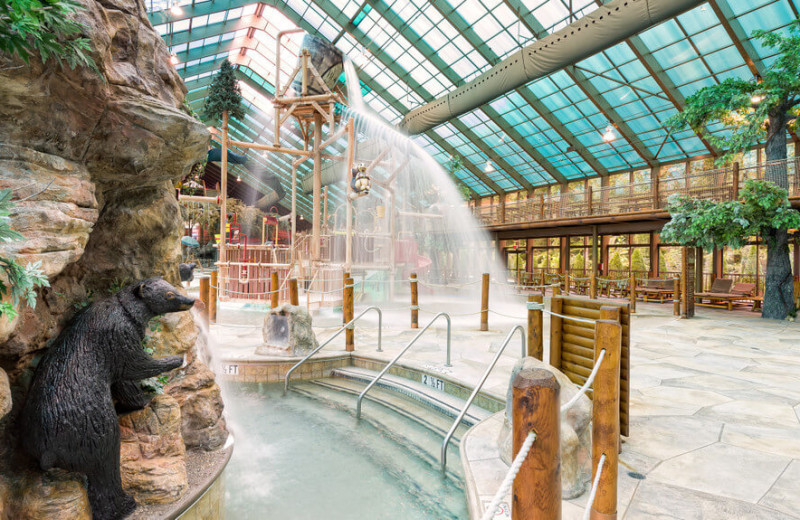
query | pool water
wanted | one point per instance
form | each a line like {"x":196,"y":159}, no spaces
{"x":297,"y":458}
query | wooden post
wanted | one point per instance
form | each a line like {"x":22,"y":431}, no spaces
{"x":676,"y":296}
{"x":556,"y":305}
{"x":349,"y":334}
{"x":223,"y":192}
{"x":593,"y":286}
{"x":687,"y":282}
{"x":535,"y":329}
{"x":212,"y":297}
{"x":274,"y":296}
{"x":316,"y":188}
{"x":204,"y":297}
{"x":345,"y":277}
{"x":485,"y":303}
{"x":414,"y":302}
{"x":566,"y":283}
{"x":294,"y":297}
{"x":632,"y":291}
{"x":654,"y":183}
{"x":589,"y":200}
{"x":605,"y":415}
{"x":735,"y":181}
{"x":536,"y":493}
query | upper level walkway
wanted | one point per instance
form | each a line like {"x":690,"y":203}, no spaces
{"x":645,"y":201}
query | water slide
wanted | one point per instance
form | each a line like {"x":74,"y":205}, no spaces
{"x":261,"y":173}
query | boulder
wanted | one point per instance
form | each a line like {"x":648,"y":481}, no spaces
{"x":55,"y":494}
{"x":200,"y":399}
{"x":287,"y":332}
{"x":152,"y":452}
{"x":5,"y":394}
{"x":576,"y":431}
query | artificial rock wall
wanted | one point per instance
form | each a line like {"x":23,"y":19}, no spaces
{"x":108,"y":151}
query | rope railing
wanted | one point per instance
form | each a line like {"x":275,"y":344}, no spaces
{"x":595,"y":485}
{"x":569,"y":404}
{"x":508,"y":481}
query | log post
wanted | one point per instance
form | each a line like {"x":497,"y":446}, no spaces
{"x":349,"y":334}
{"x":593,"y":286}
{"x":485,"y":303}
{"x":536,"y":493}
{"x":566,"y":283}
{"x":274,"y":295}
{"x":204,"y":297}
{"x":605,"y":417}
{"x":632,"y":291}
{"x":212,"y":297}
{"x":535,"y":329}
{"x":556,"y":305}
{"x":414,"y":302}
{"x":676,"y":296}
{"x":294,"y":296}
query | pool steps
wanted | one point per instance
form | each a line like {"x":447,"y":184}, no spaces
{"x":393,"y":404}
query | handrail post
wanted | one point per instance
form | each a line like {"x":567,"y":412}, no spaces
{"x":605,"y":416}
{"x":274,"y":288}
{"x":294,"y":296}
{"x":212,"y":296}
{"x":204,"y":297}
{"x":536,"y":492}
{"x":676,"y":296}
{"x":535,"y":328}
{"x":632,"y":291}
{"x":449,"y":342}
{"x":349,"y":333}
{"x":414,"y":302}
{"x":380,"y":328}
{"x":485,"y":303}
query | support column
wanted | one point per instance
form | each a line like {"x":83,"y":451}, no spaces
{"x":654,"y":254}
{"x":348,"y":247}
{"x":698,"y":284}
{"x":223,"y":191}
{"x":595,"y":259}
{"x":317,"y":189}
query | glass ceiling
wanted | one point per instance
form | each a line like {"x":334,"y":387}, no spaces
{"x":409,"y":52}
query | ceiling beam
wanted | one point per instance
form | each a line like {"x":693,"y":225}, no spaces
{"x":422,"y":46}
{"x":738,"y":36}
{"x":391,"y":64}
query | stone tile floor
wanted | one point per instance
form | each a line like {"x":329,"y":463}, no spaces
{"x":715,"y":401}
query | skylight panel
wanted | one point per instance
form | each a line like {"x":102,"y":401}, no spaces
{"x":551,"y":13}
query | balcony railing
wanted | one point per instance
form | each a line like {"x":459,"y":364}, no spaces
{"x":719,"y":185}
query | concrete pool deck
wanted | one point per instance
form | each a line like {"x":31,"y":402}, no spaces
{"x":715,"y":400}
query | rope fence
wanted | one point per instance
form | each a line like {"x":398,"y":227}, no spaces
{"x":508,"y":481}
{"x":595,"y":485}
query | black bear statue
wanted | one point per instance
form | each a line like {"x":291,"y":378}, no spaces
{"x":69,"y":419}
{"x":187,"y":272}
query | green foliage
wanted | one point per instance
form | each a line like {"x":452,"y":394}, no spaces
{"x":746,"y":105}
{"x":615,"y":262}
{"x":19,"y":281}
{"x":578,"y":263}
{"x":46,"y":27}
{"x":707,"y":224}
{"x":224,"y":95}
{"x":637,"y":260}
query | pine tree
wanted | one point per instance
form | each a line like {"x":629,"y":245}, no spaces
{"x":224,"y":95}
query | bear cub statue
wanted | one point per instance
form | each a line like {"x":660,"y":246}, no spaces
{"x":69,"y":419}
{"x":187,"y":272}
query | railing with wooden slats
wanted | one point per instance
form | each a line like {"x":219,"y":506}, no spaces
{"x":718,"y":185}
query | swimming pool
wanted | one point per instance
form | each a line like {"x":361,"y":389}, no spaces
{"x":301,"y":458}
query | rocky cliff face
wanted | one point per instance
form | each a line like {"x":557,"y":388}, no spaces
{"x":98,"y":159}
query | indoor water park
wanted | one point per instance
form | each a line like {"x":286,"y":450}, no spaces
{"x":399,"y":259}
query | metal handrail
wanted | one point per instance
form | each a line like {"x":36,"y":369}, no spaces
{"x":477,"y":389}
{"x":408,"y":346}
{"x":335,"y":334}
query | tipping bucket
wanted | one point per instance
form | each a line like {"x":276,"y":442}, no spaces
{"x":326,"y":58}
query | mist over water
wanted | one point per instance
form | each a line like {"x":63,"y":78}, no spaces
{"x":414,"y":219}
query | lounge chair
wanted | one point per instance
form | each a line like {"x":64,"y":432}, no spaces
{"x":660,"y":290}
{"x":724,"y":292}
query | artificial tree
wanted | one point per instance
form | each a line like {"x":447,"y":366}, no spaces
{"x":763,"y":210}
{"x":224,"y":101}
{"x":762,"y":108}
